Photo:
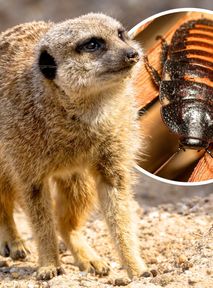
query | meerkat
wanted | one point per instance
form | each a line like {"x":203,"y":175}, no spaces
{"x":68,"y":117}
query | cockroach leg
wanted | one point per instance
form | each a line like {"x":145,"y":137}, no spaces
{"x":153,"y":72}
{"x":164,"y":51}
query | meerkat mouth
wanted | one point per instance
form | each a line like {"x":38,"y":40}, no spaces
{"x":115,"y":71}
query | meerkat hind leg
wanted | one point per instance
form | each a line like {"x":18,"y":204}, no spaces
{"x":74,"y":198}
{"x":11,"y":243}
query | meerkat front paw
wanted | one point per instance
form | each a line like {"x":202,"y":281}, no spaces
{"x":48,"y":272}
{"x":137,"y":271}
{"x":14,"y":249}
{"x":97,"y":266}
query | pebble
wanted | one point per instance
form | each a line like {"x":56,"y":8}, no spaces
{"x":121,"y":282}
{"x":186,"y":265}
{"x":168,"y":269}
{"x":154,"y":272}
{"x":182,"y":259}
{"x":110,"y":281}
{"x":153,"y":260}
{"x":209,"y":271}
{"x":181,"y":208}
{"x":191,"y":282}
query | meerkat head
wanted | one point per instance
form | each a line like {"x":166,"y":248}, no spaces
{"x":89,"y":53}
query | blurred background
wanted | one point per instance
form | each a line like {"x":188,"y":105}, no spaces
{"x":129,"y":12}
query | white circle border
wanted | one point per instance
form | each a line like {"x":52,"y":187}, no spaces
{"x":131,"y":34}
{"x":171,"y":11}
{"x":172,"y":182}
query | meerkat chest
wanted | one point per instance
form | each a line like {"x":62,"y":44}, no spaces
{"x":75,"y":144}
{"x":73,"y":156}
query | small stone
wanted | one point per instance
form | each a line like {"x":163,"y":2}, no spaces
{"x":168,"y":270}
{"x":191,"y":282}
{"x":186,"y":265}
{"x":153,"y":260}
{"x":110,"y":281}
{"x":182,"y":209}
{"x":209,"y":271}
{"x":181,"y":259}
{"x":121,"y":282}
{"x":154,"y":272}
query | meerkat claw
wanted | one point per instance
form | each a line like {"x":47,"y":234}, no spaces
{"x":47,"y":273}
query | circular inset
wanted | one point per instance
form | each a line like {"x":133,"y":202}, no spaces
{"x":175,"y":95}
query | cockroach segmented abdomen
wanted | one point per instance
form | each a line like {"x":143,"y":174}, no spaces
{"x":186,"y":89}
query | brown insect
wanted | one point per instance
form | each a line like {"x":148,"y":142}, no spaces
{"x":186,"y":84}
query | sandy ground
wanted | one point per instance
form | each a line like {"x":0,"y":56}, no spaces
{"x":176,"y":241}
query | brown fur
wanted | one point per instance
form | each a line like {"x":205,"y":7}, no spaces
{"x":78,"y":132}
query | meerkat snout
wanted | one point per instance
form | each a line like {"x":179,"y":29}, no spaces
{"x":132,"y":56}
{"x":87,"y":55}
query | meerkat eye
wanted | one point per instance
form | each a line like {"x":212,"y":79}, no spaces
{"x":91,"y":45}
{"x":121,"y":34}
{"x":47,"y":65}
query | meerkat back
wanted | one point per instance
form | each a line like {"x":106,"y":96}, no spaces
{"x":17,"y":52}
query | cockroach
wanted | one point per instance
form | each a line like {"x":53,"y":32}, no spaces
{"x":186,"y":84}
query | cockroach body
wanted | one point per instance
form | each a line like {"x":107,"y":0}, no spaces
{"x":186,"y":84}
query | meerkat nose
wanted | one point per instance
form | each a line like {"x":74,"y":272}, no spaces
{"x":132,"y":56}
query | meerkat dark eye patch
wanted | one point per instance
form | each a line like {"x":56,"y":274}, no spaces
{"x":91,"y":45}
{"x":47,"y":65}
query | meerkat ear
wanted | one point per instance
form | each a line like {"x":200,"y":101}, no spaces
{"x":47,"y":65}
